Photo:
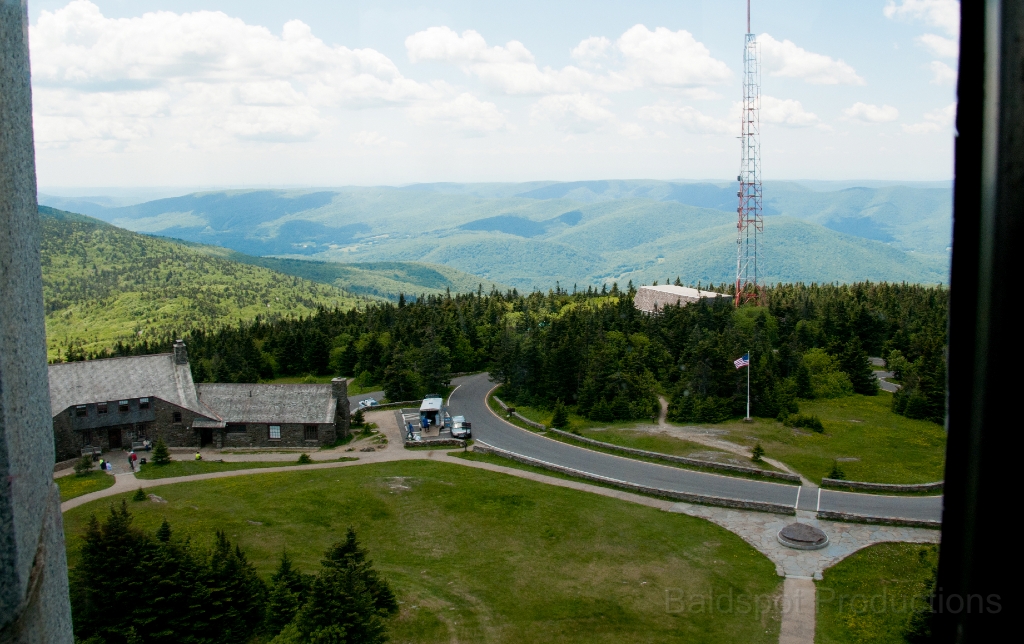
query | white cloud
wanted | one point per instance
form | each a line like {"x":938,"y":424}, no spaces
{"x":786,"y":112}
{"x":670,"y":58}
{"x":786,"y":59}
{"x":591,"y":50}
{"x":942,"y":74}
{"x":644,"y":58}
{"x":944,"y":14}
{"x":939,"y":46}
{"x":938,"y":120}
{"x":215,"y":76}
{"x":573,"y":112}
{"x":688,"y":117}
{"x":871,"y":113}
{"x":510,"y":68}
{"x":465,"y":112}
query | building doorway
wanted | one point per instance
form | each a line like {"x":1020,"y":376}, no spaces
{"x":114,"y":437}
{"x":205,"y":437}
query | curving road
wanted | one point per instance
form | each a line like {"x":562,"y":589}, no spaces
{"x":469,"y":400}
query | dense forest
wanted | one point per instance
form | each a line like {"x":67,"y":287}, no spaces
{"x":592,"y":350}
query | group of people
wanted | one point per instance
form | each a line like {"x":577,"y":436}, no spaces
{"x":107,"y":466}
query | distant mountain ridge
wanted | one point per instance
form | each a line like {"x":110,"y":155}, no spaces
{"x":521,"y":234}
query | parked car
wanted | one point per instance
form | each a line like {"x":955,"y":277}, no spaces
{"x":369,"y":402}
{"x":461,"y":428}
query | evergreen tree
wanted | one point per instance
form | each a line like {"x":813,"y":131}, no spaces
{"x":161,"y":455}
{"x":349,"y":553}
{"x":237,"y":594}
{"x":287,"y":593}
{"x":857,"y":366}
{"x":560,"y":419}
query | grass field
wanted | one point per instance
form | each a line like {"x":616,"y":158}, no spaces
{"x":869,"y":596}
{"x":883,"y":447}
{"x":187,"y":468}
{"x":73,"y":485}
{"x":481,"y":556}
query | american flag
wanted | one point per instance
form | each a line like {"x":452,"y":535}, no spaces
{"x":742,"y":362}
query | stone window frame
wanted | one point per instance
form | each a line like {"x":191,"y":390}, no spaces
{"x":144,"y":403}
{"x":81,"y":411}
{"x":176,"y":417}
{"x":308,"y":429}
{"x":101,"y":408}
{"x":123,"y":406}
{"x":236,"y":428}
{"x":271,"y":430}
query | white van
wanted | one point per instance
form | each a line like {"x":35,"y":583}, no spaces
{"x":433,"y":410}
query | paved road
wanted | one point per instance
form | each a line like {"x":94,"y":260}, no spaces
{"x":470,"y":400}
{"x":353,"y":401}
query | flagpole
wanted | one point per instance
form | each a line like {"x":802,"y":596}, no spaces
{"x":748,"y":385}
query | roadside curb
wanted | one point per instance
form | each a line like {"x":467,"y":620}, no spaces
{"x":828,"y":483}
{"x":758,"y":506}
{"x":849,"y":517}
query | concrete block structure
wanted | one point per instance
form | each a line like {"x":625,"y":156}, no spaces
{"x":653,"y":299}
{"x":114,"y":402}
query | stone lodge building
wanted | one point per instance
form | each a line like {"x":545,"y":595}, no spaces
{"x":653,"y":299}
{"x":111,"y":403}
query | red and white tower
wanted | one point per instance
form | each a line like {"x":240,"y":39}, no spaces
{"x":749,"y":280}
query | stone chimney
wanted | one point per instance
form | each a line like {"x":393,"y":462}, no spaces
{"x":180,"y":355}
{"x":339,"y":390}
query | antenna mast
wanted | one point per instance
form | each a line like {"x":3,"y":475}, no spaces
{"x":749,"y":282}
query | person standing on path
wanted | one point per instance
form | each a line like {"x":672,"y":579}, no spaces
{"x":131,"y":459}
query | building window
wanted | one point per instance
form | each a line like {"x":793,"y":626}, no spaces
{"x":122,"y":405}
{"x":311,"y":432}
{"x":176,"y":417}
{"x":275,"y":432}
{"x":143,"y":403}
{"x":101,"y":408}
{"x":87,"y":438}
{"x":236,"y":428}
{"x":80,"y":410}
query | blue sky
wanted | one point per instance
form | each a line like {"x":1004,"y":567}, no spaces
{"x":151,"y":93}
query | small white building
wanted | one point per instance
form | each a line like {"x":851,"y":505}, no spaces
{"x":652,"y":299}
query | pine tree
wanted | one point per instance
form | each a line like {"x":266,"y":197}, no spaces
{"x":161,"y":455}
{"x":350,"y":553}
{"x":560,"y":419}
{"x":857,"y":366}
{"x":163,"y":533}
{"x":758,"y":453}
{"x":287,"y":594}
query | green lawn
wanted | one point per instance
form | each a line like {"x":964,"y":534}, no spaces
{"x":186,"y":468}
{"x":576,"y":422}
{"x":888,"y":448}
{"x":74,"y":485}
{"x":869,"y":596}
{"x":481,"y":556}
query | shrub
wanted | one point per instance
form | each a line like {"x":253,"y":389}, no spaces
{"x":139,"y":495}
{"x":836,"y":472}
{"x":161,"y":455}
{"x":827,"y":380}
{"x":758,"y":453}
{"x":304,"y":459}
{"x":811,"y":422}
{"x":358,"y":418}
{"x":84,"y":466}
{"x":560,"y":420}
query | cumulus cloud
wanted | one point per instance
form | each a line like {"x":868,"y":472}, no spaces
{"x":942,"y":74}
{"x":691,"y":119}
{"x":939,"y":46}
{"x":213,"y":76}
{"x":937,"y":120}
{"x":871,"y":113}
{"x":642,"y":58}
{"x":573,"y":112}
{"x":465,"y":112}
{"x":591,"y":50}
{"x":510,"y":68}
{"x":787,"y":112}
{"x":786,"y":59}
{"x":670,"y":58}
{"x":944,"y":14}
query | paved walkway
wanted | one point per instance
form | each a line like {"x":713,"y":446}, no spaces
{"x":758,"y":529}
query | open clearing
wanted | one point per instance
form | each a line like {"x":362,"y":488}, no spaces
{"x":869,"y":597}
{"x":186,"y":468}
{"x":74,"y":485}
{"x":482,"y":556}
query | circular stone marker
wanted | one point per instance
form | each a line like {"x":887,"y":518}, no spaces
{"x":802,"y":537}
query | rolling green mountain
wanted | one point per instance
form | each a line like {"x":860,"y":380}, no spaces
{"x":532,"y":235}
{"x":102,"y":284}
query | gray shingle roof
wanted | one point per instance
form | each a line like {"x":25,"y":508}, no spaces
{"x":156,"y":376}
{"x":239,"y":403}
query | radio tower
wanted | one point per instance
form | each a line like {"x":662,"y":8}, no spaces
{"x":749,"y":282}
